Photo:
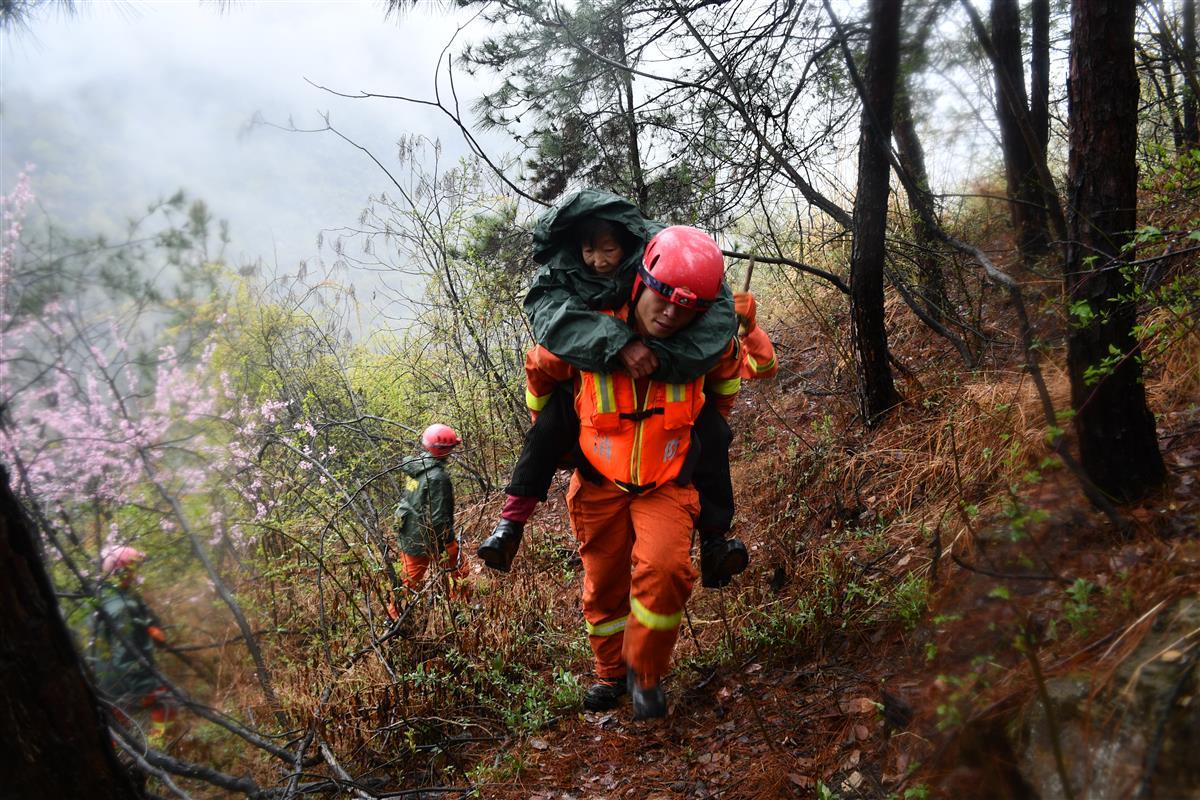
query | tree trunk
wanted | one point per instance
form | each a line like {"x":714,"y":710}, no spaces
{"x":1039,"y":71}
{"x":1118,"y":443}
{"x":1024,"y":188}
{"x":626,"y":104}
{"x":920,"y":203}
{"x":1170,"y":99}
{"x":1191,"y":125}
{"x":55,"y":743}
{"x":877,"y":393}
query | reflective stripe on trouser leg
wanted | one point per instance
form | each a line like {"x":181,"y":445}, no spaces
{"x":662,"y":579}
{"x":610,"y":628}
{"x":162,"y":717}
{"x":600,"y":519}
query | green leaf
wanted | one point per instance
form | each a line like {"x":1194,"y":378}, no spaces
{"x":1082,"y":313}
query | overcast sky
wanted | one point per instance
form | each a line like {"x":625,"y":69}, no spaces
{"x":124,"y":103}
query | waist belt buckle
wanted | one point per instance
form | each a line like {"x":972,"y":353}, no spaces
{"x":634,"y":488}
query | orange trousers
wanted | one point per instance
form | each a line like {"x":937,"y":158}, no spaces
{"x":637,"y":573}
{"x":452,"y":561}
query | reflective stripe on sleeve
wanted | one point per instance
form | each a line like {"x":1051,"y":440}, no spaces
{"x":652,"y":620}
{"x":731,"y":386}
{"x":534,"y":402}
{"x":607,"y":628}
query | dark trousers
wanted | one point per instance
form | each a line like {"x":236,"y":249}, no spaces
{"x":553,"y":441}
{"x":711,"y":476}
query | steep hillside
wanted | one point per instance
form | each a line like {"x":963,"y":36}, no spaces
{"x":903,"y":580}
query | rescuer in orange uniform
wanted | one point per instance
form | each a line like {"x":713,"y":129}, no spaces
{"x":631,"y":504}
{"x":591,"y":246}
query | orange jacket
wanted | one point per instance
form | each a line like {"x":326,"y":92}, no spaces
{"x":760,"y":354}
{"x":635,"y":433}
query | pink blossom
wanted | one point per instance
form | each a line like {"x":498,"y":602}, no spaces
{"x":88,"y":435}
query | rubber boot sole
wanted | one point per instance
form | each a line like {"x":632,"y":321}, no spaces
{"x":494,"y":558}
{"x":500,"y":549}
{"x":732,"y":562}
{"x":603,"y":696}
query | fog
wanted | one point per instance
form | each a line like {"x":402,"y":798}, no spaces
{"x":124,"y":103}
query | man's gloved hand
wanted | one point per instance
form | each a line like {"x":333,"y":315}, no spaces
{"x":746,"y":309}
{"x":638,"y":359}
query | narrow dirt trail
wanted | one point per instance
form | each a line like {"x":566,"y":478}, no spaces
{"x":749,"y":732}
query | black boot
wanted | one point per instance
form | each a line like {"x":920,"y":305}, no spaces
{"x":499,"y":549}
{"x":602,"y":696}
{"x":721,"y":559}
{"x":647,"y":703}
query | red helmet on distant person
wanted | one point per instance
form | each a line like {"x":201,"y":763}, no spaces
{"x":119,"y":558}
{"x":440,"y":439}
{"x":684,"y":265}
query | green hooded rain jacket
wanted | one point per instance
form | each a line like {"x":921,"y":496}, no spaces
{"x":425,"y":515}
{"x":120,"y":673}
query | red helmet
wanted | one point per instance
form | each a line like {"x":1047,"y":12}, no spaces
{"x":440,"y":439}
{"x":120,"y":558}
{"x":684,"y":265}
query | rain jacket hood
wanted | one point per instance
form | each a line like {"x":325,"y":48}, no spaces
{"x":565,"y":295}
{"x":556,"y":246}
{"x":417,"y":466}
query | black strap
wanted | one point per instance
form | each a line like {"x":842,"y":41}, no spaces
{"x":638,"y":416}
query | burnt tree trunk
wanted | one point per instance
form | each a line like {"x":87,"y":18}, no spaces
{"x":912,"y":158}
{"x":911,"y":155}
{"x":877,"y":393}
{"x":1117,"y":439}
{"x":1191,"y":125}
{"x":1039,"y":71}
{"x":55,"y":742}
{"x":1020,"y":168}
{"x":1170,"y":99}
